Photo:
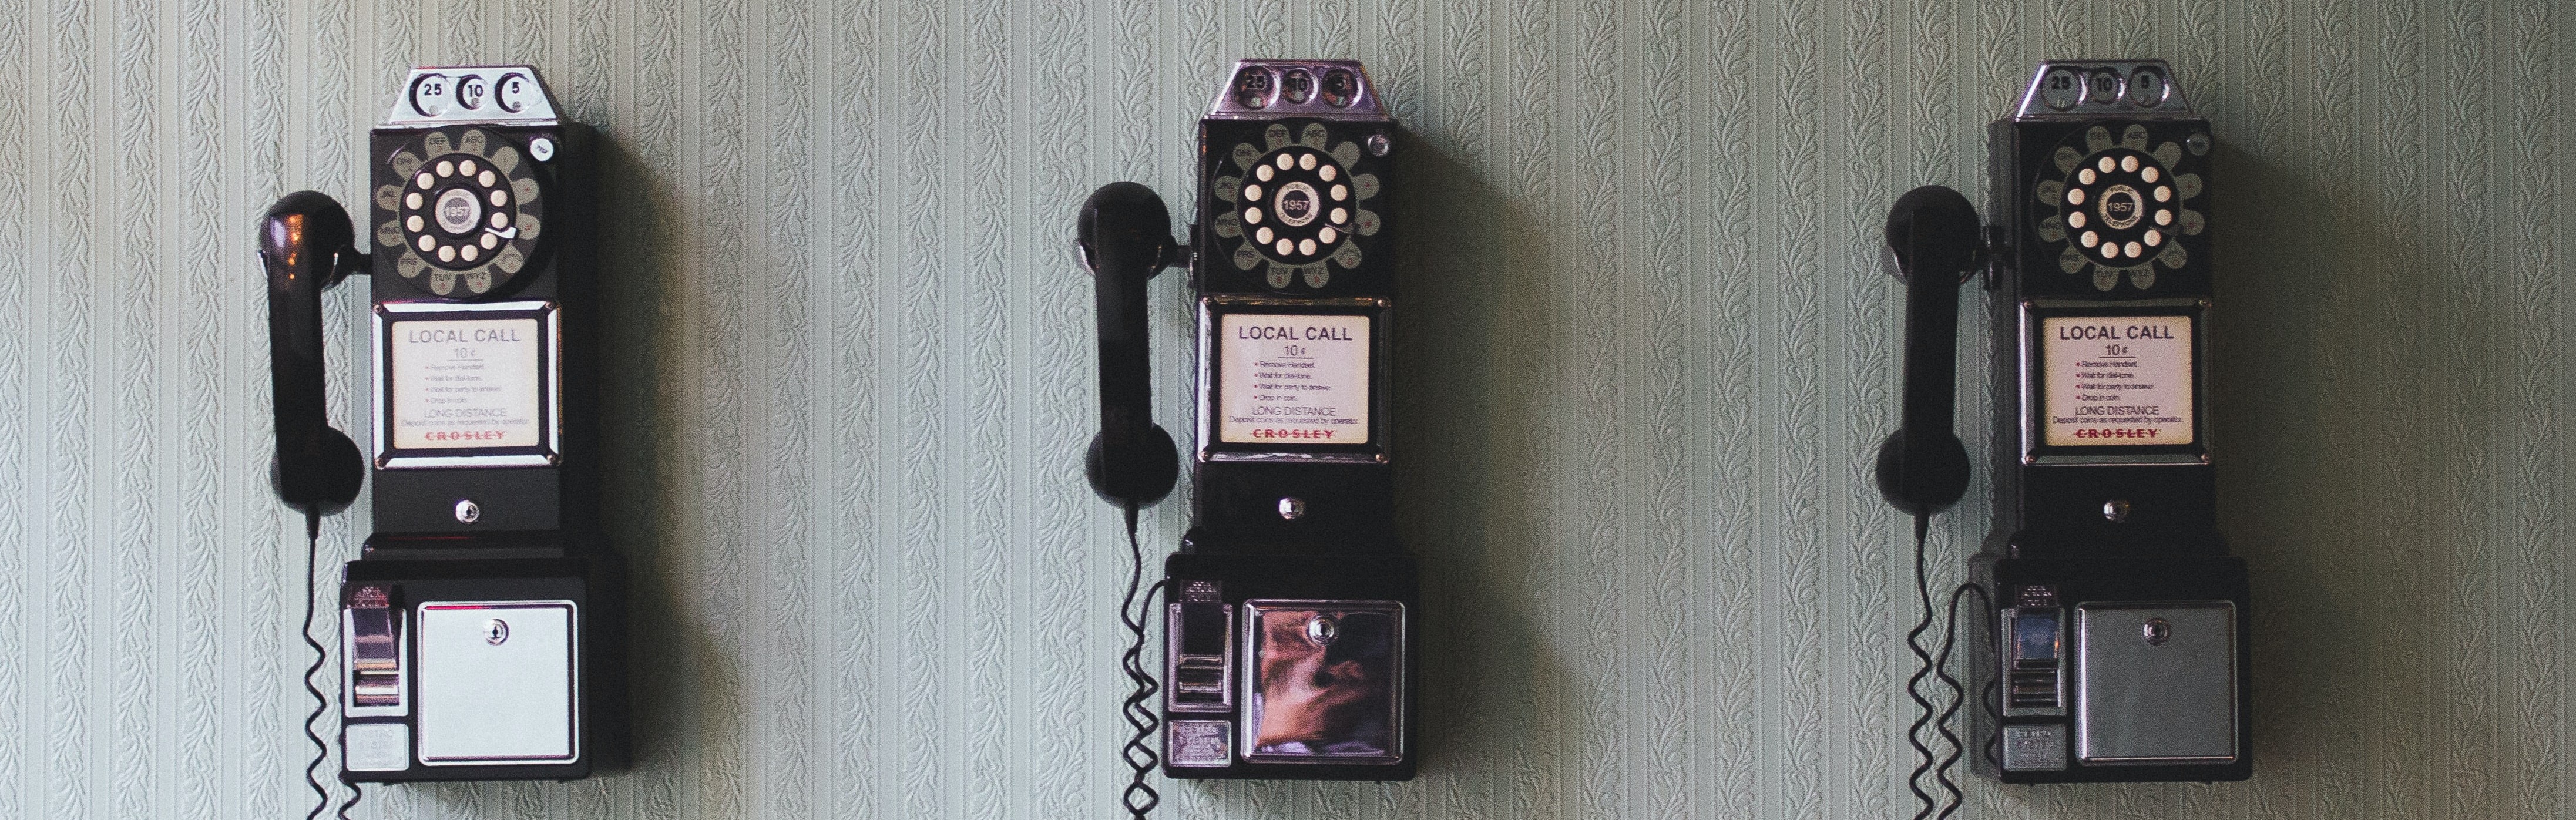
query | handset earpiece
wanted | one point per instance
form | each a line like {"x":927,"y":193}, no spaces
{"x":1933,"y":238}
{"x":1125,"y":235}
{"x":306,"y":244}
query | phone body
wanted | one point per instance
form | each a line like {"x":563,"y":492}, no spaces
{"x":1291,"y":605}
{"x":2120,"y":647}
{"x":481,"y":628}
{"x":1289,"y":611}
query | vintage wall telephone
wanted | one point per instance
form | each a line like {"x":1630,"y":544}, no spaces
{"x":1289,"y":607}
{"x":480,"y":627}
{"x":2119,"y":646}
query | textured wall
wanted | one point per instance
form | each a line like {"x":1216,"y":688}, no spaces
{"x":1646,"y":349}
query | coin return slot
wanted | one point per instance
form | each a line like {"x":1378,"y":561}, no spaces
{"x":2034,"y":666}
{"x":1200,"y":632}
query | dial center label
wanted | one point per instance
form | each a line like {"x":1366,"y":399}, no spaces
{"x":1293,"y":379}
{"x":465,"y":383}
{"x":2116,"y":380}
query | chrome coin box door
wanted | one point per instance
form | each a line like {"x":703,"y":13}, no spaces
{"x":2099,"y":279}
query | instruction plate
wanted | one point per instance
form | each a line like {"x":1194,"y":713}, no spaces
{"x":1293,"y":378}
{"x":2116,"y":380}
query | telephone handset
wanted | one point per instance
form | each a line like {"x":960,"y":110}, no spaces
{"x":306,"y":246}
{"x":479,"y":627}
{"x":1931,"y":244}
{"x":1288,"y":650}
{"x":1123,"y":234}
{"x":2115,"y":640}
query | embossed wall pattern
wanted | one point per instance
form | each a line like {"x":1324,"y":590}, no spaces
{"x":1647,"y":346}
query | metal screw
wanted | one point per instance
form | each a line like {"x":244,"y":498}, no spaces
{"x":1378,"y":145}
{"x":541,"y":148}
{"x":467,"y":512}
{"x":1292,"y":508}
{"x":2156,"y":631}
{"x":2198,"y":142}
{"x":495,"y":631}
{"x":2116,"y":510}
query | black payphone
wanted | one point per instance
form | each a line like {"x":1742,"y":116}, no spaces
{"x":480,"y":627}
{"x":1290,"y":608}
{"x":2116,"y":645}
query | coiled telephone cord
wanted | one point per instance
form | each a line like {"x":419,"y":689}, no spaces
{"x":1134,"y":612}
{"x":1930,"y":664}
{"x":321,"y":657}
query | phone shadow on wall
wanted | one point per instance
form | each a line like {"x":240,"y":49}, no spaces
{"x":673,"y":666}
{"x":1468,"y":395}
{"x":2285,"y":368}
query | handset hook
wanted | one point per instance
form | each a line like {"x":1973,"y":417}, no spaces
{"x":306,"y":245}
{"x":1125,"y":236}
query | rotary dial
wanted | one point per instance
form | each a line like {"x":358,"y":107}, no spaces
{"x":1293,"y":207}
{"x":466,"y":215}
{"x":2118,"y":207}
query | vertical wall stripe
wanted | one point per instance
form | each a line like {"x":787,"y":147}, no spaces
{"x":2539,"y":365}
{"x":70,"y":753}
{"x":1862,"y":611}
{"x":2465,"y":706}
{"x":17,"y":727}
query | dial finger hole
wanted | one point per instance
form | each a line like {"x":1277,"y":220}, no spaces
{"x":2129,"y":163}
{"x":446,"y":168}
{"x":1306,"y":247}
{"x":2149,"y":173}
{"x":468,"y":252}
{"x":2164,"y":217}
{"x":2163,"y":193}
{"x":2106,"y":164}
{"x":1283,"y":247}
{"x":1328,"y":172}
{"x":500,"y":220}
{"x":1252,"y":215}
{"x":1285,"y":162}
{"x":484,"y":179}
{"x":2074,"y":196}
{"x":1328,"y":235}
{"x":2084,"y":177}
{"x":1306,"y":161}
{"x":1262,"y":236}
{"x":1253,"y":192}
{"x":424,"y":180}
{"x":465,"y":167}
{"x":425,"y":243}
{"x":2090,"y":239}
{"x":500,"y":198}
{"x":2110,"y":251}
{"x":447,"y":253}
{"x":1263,"y":172}
{"x":2075,"y":219}
{"x":412,"y":223}
{"x":489,"y":241}
{"x":2131,"y":250}
{"x":412,"y":200}
{"x":1340,"y":216}
{"x":2155,"y":237}
{"x":1341,"y":192}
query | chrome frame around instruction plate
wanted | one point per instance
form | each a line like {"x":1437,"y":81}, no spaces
{"x":550,"y":360}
